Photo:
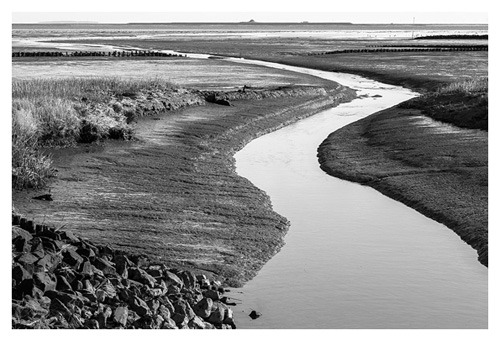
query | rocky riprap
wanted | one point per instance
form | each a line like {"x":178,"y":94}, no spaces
{"x":63,"y":281}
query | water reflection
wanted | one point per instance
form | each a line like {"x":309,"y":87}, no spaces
{"x":353,"y":258}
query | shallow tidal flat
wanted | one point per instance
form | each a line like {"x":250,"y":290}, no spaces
{"x":436,"y":168}
{"x":193,"y":73}
{"x":173,"y":194}
{"x":421,"y":71}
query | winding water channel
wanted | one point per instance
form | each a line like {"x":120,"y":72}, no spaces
{"x":353,"y":258}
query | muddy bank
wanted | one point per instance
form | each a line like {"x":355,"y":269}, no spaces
{"x":438,"y":169}
{"x":173,"y":194}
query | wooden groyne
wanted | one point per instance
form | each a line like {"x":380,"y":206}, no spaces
{"x":410,"y":49}
{"x":94,"y":54}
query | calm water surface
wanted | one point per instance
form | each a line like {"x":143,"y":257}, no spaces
{"x":353,"y":258}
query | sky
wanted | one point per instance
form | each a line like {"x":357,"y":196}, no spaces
{"x":354,"y":17}
{"x":357,"y":11}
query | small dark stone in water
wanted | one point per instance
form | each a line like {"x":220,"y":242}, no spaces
{"x":255,"y":315}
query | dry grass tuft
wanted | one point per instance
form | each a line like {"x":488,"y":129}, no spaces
{"x":467,"y":87}
{"x":463,"y":104}
{"x":61,"y":112}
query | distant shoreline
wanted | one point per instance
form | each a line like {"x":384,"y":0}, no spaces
{"x":255,"y":23}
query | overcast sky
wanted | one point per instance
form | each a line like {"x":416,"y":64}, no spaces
{"x":123,"y":17}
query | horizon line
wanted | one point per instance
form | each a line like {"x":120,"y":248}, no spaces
{"x":84,"y":22}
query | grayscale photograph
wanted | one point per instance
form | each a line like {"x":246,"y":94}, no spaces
{"x":249,"y":170}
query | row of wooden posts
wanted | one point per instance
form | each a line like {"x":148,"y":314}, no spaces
{"x":94,"y":54}
{"x":435,"y":49}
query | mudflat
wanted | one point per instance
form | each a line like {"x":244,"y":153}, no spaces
{"x":173,"y":194}
{"x":436,"y":168}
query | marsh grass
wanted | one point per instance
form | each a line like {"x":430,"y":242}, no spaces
{"x":88,"y":89}
{"x":62,"y":112}
{"x":468,"y":87}
{"x":463,"y":104}
{"x":30,"y":167}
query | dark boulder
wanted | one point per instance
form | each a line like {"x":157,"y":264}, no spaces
{"x":49,"y":262}
{"x":27,"y":258}
{"x":91,"y":324}
{"x":183,"y":307}
{"x":61,"y":296}
{"x":37,"y":248}
{"x":188,"y":278}
{"x":87,"y":269}
{"x":86,"y":253}
{"x":72,"y":258}
{"x":204,"y":307}
{"x":153,"y":305}
{"x":20,"y":239}
{"x":45,"y":281}
{"x":19,"y":273}
{"x":139,"y":306}
{"x":68,"y":235}
{"x":212,"y":294}
{"x":172,"y":279}
{"x":254,"y":315}
{"x":62,"y":283}
{"x":122,"y":264}
{"x":107,"y":267}
{"x":33,"y":309}
{"x":102,"y":317}
{"x":197,"y":323}
{"x":120,"y":316}
{"x":218,"y":313}
{"x":56,"y":306}
{"x":168,"y":324}
{"x":141,"y":276}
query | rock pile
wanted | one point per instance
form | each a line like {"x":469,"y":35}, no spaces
{"x":62,"y":281}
